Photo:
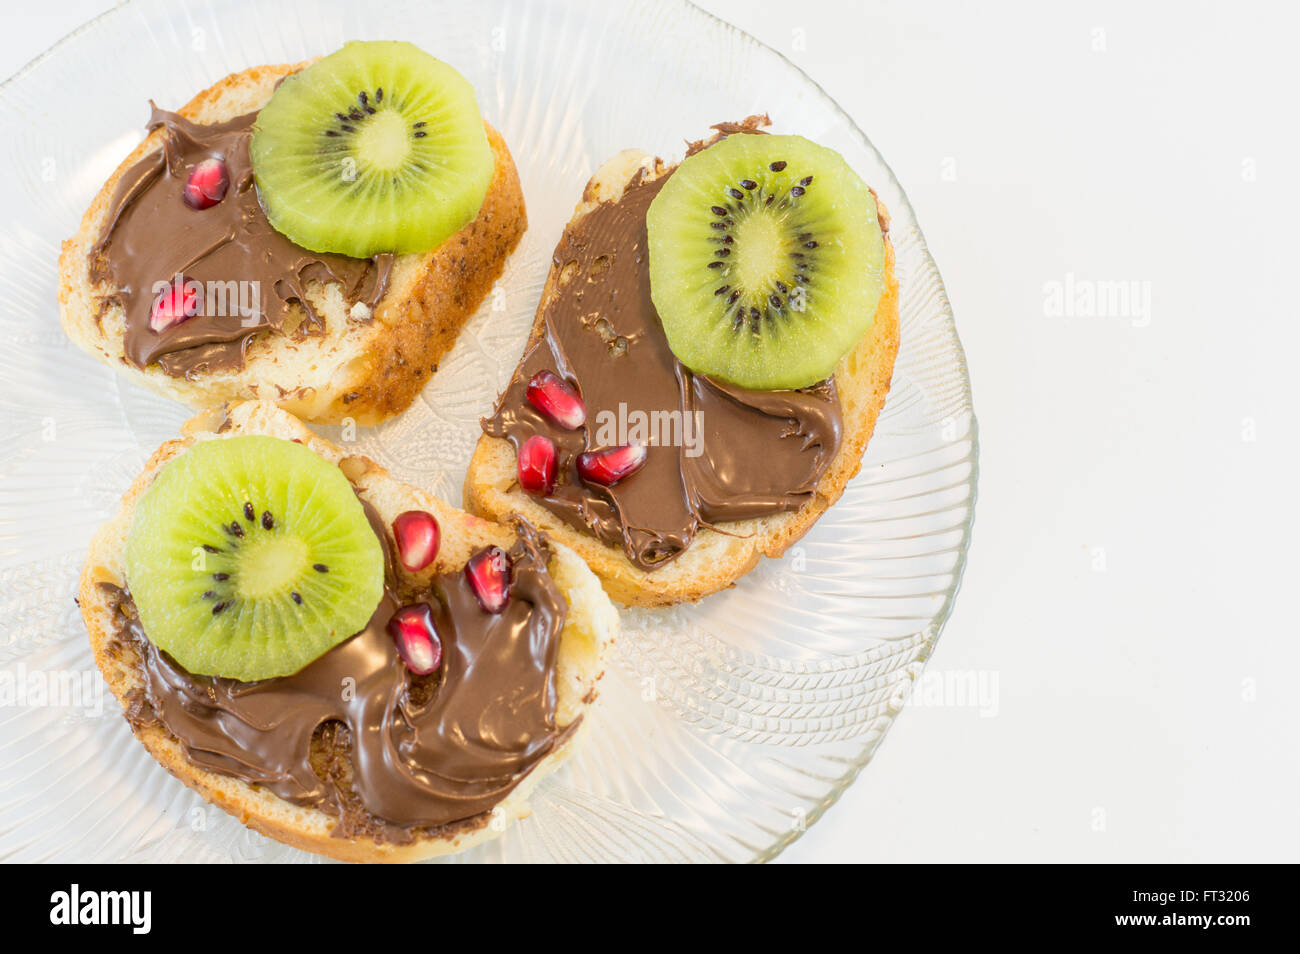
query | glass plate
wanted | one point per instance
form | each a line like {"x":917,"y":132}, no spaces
{"x":724,"y":729}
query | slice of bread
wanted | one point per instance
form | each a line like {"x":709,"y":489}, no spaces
{"x":716,"y":558}
{"x":367,"y":371}
{"x":589,"y":630}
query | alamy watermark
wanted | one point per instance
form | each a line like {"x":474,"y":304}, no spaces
{"x":79,"y":689}
{"x":1087,"y":298}
{"x":952,"y":688}
{"x":214,"y":299}
{"x":75,"y":906}
{"x":673,"y":428}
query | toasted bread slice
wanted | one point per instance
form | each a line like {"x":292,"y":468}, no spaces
{"x":591,"y":626}
{"x":367,"y":371}
{"x":716,"y":558}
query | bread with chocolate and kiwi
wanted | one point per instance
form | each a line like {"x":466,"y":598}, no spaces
{"x":681,"y":527}
{"x":374,"y":330}
{"x":281,"y":755}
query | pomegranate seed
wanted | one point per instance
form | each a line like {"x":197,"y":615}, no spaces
{"x":178,"y":303}
{"x":551,"y":395}
{"x":418,"y":537}
{"x":417,"y":641}
{"x":489,"y":574}
{"x":608,"y":467}
{"x":537,"y":465}
{"x":207,"y":184}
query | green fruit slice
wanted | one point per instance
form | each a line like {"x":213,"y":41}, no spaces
{"x":377,"y":147}
{"x":766,"y":261}
{"x":249,"y":557}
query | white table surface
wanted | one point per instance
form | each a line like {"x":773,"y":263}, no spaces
{"x":1135,"y":532}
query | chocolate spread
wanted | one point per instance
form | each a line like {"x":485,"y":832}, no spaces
{"x":763,"y":452}
{"x":418,"y":751}
{"x":249,"y":274}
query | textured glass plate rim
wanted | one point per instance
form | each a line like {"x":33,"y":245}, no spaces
{"x":949,"y":597}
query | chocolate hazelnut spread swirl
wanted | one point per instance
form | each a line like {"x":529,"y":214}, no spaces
{"x":425,"y":751}
{"x":249,"y":275}
{"x":759,"y":452}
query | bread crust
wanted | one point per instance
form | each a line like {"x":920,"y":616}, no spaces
{"x":590,"y":629}
{"x":363,"y":371}
{"x":716,"y":558}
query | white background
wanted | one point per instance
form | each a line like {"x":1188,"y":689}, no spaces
{"x":1131,"y":575}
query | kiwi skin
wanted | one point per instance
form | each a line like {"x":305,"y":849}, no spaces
{"x":378,"y":147}
{"x":249,"y":557}
{"x":767,"y":260}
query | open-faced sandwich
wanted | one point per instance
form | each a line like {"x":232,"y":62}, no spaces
{"x":314,"y":235}
{"x":713,"y":345}
{"x":340,"y":661}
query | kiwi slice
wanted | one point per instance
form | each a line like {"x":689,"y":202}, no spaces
{"x":377,"y":147}
{"x":766,"y":260}
{"x":248,"y":557}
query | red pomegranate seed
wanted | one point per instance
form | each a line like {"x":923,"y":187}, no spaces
{"x":551,"y":395}
{"x":207,"y":184}
{"x":417,"y":641}
{"x":418,"y":536}
{"x":489,"y":574}
{"x":537,"y":465}
{"x":608,"y":467}
{"x":178,"y":303}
